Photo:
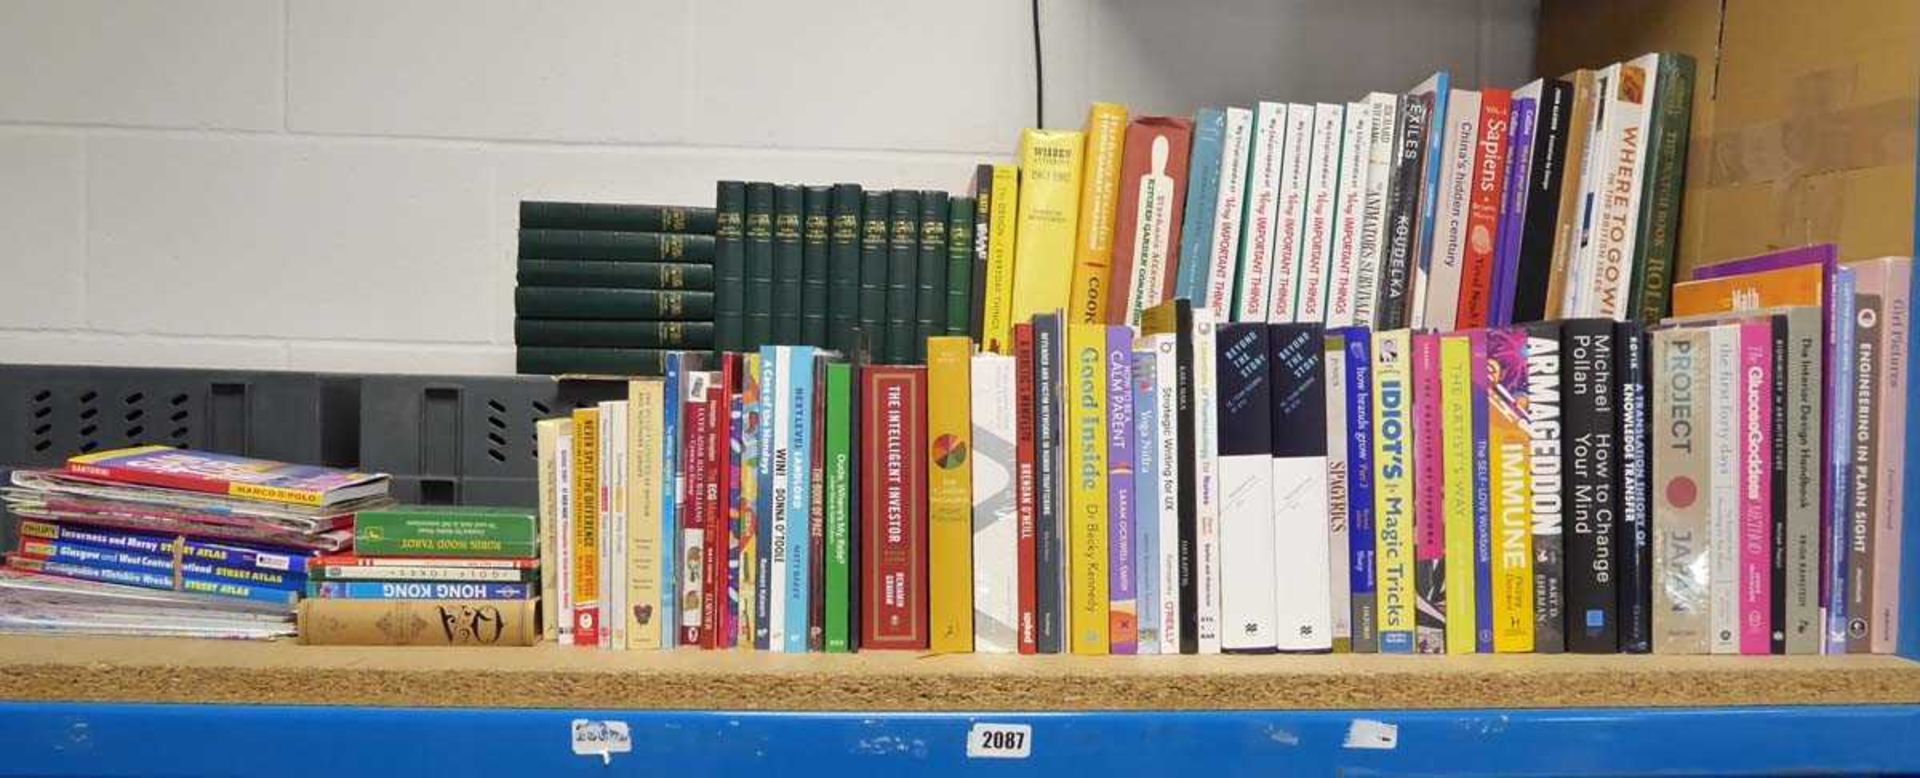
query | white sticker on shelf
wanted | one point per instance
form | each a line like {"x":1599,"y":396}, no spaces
{"x":999,"y":741}
{"x":1373,"y":735}
{"x":601,"y":738}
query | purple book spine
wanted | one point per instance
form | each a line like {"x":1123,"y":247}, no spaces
{"x":1821,"y":254}
{"x":1123,"y":610}
{"x":1506,"y":263}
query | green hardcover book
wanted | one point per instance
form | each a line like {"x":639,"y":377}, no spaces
{"x":447,"y":531}
{"x":623,"y":275}
{"x":595,"y":302}
{"x":843,"y":268}
{"x":539,"y":214}
{"x":789,"y":261}
{"x":815,"y":228}
{"x":875,"y":207}
{"x":959,"y":265}
{"x":613,"y":246}
{"x":563,"y":360}
{"x":903,"y":266}
{"x":930,"y":291}
{"x":730,"y":266}
{"x":982,"y":230}
{"x":1660,"y":202}
{"x":614,"y":334}
{"x":758,"y":321}
{"x":839,"y":506}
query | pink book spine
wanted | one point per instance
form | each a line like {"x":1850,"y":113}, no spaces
{"x":1756,"y":491}
{"x":1896,"y":309}
{"x":1429,"y":517}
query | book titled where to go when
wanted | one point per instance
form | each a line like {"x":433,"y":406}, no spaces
{"x":234,"y":476}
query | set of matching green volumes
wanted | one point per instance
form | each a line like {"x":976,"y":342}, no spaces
{"x":835,"y":266}
{"x":609,"y":288}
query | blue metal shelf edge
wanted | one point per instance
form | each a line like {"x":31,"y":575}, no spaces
{"x":210,"y":740}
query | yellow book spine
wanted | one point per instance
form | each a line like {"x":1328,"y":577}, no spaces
{"x":1393,"y":487}
{"x":1049,"y":208}
{"x":1509,"y":445}
{"x":646,"y":406}
{"x":1106,"y":136}
{"x":1086,"y":431}
{"x":546,"y":435}
{"x":1456,"y":430}
{"x":1004,"y":226}
{"x":949,"y":494}
{"x":586,"y":524}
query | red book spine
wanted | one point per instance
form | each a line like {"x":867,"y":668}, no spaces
{"x":720,"y":627}
{"x":698,"y":437}
{"x":1025,"y":505}
{"x":1138,"y":169}
{"x":181,"y":481}
{"x":1483,"y":209}
{"x":893,"y":508}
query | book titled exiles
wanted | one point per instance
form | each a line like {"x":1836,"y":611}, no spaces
{"x":234,"y":476}
{"x":893,"y":509}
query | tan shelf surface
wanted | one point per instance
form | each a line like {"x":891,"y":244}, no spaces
{"x":196,"y":671}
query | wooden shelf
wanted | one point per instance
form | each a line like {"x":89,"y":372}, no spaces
{"x":195,"y":671}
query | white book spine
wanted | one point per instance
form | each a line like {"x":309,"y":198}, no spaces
{"x":1344,"y":279}
{"x":617,"y":573}
{"x":1166,"y":404}
{"x":1263,"y":194}
{"x":563,"y":527}
{"x":1384,"y":109}
{"x":1624,"y":176}
{"x":1575,"y":298}
{"x":779,"y":536}
{"x":1228,"y":208}
{"x":1340,"y":584}
{"x":604,"y":537}
{"x":1300,"y":553}
{"x":1462,"y":129}
{"x":1323,"y":181}
{"x":1723,"y":521}
{"x":1290,"y":231}
{"x":1206,"y":435}
{"x":996,"y":536}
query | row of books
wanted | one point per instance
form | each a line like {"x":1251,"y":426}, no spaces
{"x":807,"y":265}
{"x":609,"y":288}
{"x":1200,"y":486}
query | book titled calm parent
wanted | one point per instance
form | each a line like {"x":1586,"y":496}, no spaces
{"x":555,"y":302}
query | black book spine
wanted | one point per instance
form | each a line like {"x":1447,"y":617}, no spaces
{"x":815,"y":228}
{"x":538,"y":214}
{"x":875,"y":207}
{"x":613,"y":334}
{"x":930,"y":273}
{"x":1047,"y":503}
{"x":982,"y":230}
{"x":579,"y":302}
{"x":1591,"y":431}
{"x":843,"y":266}
{"x":789,"y":261}
{"x":1176,"y":317}
{"x":624,"y":275}
{"x":1635,"y":524}
{"x":730,"y":266}
{"x":1543,"y":201}
{"x":1246,"y":414}
{"x":1403,"y":215}
{"x":758,"y":321}
{"x":959,"y":266}
{"x":903,"y":265}
{"x":616,"y":246}
{"x":1777,"y":487}
{"x":1546,"y":475}
{"x":561,"y":360}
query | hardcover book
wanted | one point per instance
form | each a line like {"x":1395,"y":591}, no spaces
{"x":893,"y":510}
{"x":543,"y":214}
{"x":758,"y":240}
{"x":1248,"y":514}
{"x":843,"y":267}
{"x":960,"y":262}
{"x":875,"y":208}
{"x":903,"y":276}
{"x":1050,"y":167}
{"x":1393,"y":488}
{"x":639,"y":336}
{"x":949,"y":495}
{"x":996,"y":558}
{"x":730,"y":265}
{"x":789,"y":263}
{"x":981,"y":242}
{"x":576,"y":302}
{"x":1302,"y":568}
{"x":1546,"y":476}
{"x":1592,"y":505}
{"x":1666,"y":162}
{"x":1100,"y":193}
{"x":816,"y":230}
{"x":930,"y":273}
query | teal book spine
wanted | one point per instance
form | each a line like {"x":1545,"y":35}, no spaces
{"x":903,"y":266}
{"x":729,"y":265}
{"x":570,"y":302}
{"x":816,"y":226}
{"x":627,"y":275}
{"x":796,"y":393}
{"x":789,"y":262}
{"x":615,"y":246}
{"x":960,"y":212}
{"x":843,"y":268}
{"x":1203,"y":188}
{"x":614,"y":334}
{"x":875,"y":240}
{"x":758,"y":320}
{"x":930,"y":273}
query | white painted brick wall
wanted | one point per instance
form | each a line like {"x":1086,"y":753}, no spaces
{"x":332,"y":184}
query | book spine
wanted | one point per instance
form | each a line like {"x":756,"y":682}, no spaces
{"x":1100,"y":193}
{"x":1456,"y":427}
{"x":730,"y":265}
{"x":1146,"y":496}
{"x":542,"y":214}
{"x":1339,"y":490}
{"x":1440,"y":296}
{"x":1166,"y":459}
{"x":1837,"y":524}
{"x":1123,"y":622}
{"x":843,"y":267}
{"x":1175,"y":318}
{"x":1506,"y":261}
{"x":69,"y":552}
{"x":696,"y":449}
{"x":1208,"y":497}
{"x":1483,"y":521}
{"x":1344,"y":292}
{"x":562,"y":302}
{"x":1249,"y":602}
{"x":903,"y":276}
{"x":982,"y":244}
{"x":816,"y":230}
{"x":1509,"y":444}
{"x":1863,"y":541}
{"x":1546,"y":481}
{"x":1362,"y":577}
{"x":1084,"y":436}
{"x":1635,"y":523}
{"x":389,"y":590}
{"x":449,"y":535}
{"x":1050,"y":166}
{"x":1433,"y":601}
{"x":1581,"y":107}
{"x":1302,"y":568}
{"x":1203,"y":192}
{"x":1659,"y":225}
{"x":1582,"y":259}
{"x":672,"y":483}
{"x":1329,"y":122}
{"x":1780,"y":449}
{"x":645,"y":401}
{"x":875,"y":235}
{"x":428,"y":571}
{"x":1540,"y":203}
{"x":1004,"y":222}
{"x":1896,"y":276}
{"x":546,"y":434}
{"x":190,"y":550}
{"x":840,"y":473}
{"x":1681,"y":463}
{"x":549,"y":244}
{"x":334,"y":622}
{"x":1153,"y":181}
{"x":748,"y":519}
{"x":1623,"y":172}
{"x":893,"y":582}
{"x":613,"y":485}
{"x":1377,"y":199}
{"x":731,"y":554}
{"x":996,"y":558}
{"x":1412,"y":134}
{"x":817,"y":512}
{"x":930,"y":274}
{"x":1393,"y":488}
{"x":1229,"y":206}
{"x":1290,"y":215}
{"x":1482,"y":227}
{"x":767,"y":577}
{"x":1594,"y":468}
{"x":949,"y":495}
{"x":960,"y":261}
{"x":796,"y":392}
{"x":1255,"y":270}
{"x":1723,"y":528}
{"x":1049,"y":600}
{"x":1026,"y":484}
{"x":586,"y":527}
{"x":789,"y":263}
{"x":637,"y":335}
{"x":1755,"y":464}
{"x":777,"y":477}
{"x":758,"y":242}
